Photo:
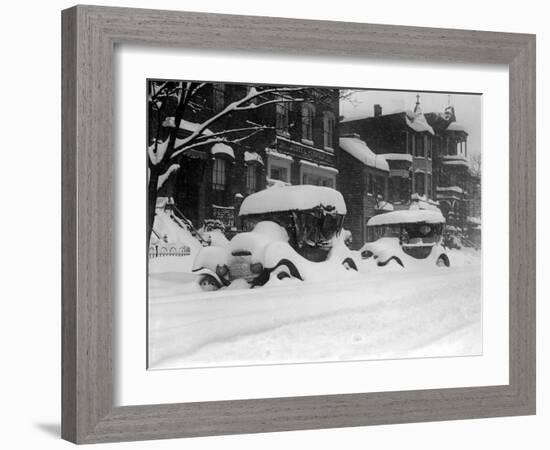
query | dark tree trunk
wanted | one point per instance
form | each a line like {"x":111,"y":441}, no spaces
{"x":151,"y":203}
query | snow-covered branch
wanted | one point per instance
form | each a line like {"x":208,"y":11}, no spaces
{"x":162,"y":178}
{"x":235,"y":130}
{"x":156,"y":151}
{"x":183,"y":147}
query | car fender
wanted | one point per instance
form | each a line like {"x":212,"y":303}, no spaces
{"x":210,"y":257}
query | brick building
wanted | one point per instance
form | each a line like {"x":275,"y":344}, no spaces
{"x":364,"y":184}
{"x":303,"y":147}
{"x":213,"y":179}
{"x":406,"y":140}
{"x":454,"y":177}
{"x":298,"y":147}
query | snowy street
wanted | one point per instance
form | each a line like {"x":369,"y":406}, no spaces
{"x":379,"y":314}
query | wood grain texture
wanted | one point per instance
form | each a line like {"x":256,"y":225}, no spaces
{"x":89,"y":36}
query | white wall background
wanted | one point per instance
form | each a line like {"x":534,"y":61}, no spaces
{"x":30,"y":223}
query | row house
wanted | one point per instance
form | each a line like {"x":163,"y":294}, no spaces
{"x":454,"y":176}
{"x":406,"y":140}
{"x":298,"y":146}
{"x":304,"y":144}
{"x":364,"y":186}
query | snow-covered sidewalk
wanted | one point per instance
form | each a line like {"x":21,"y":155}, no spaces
{"x":382,"y":314}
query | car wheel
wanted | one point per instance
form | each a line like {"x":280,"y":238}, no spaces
{"x":443,"y":261}
{"x":209,"y":283}
{"x":349,"y":264}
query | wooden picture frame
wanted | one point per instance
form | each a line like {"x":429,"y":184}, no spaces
{"x":90,"y":34}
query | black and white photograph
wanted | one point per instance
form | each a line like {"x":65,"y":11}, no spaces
{"x":306,"y":224}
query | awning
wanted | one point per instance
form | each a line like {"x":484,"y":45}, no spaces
{"x":223,"y":149}
{"x":253,"y":157}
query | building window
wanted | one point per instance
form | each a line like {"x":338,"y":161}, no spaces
{"x":219,"y":181}
{"x":369,"y":183}
{"x":419,"y":145}
{"x":419,"y":181}
{"x":409,"y":143}
{"x":281,"y":118}
{"x":429,"y":185}
{"x":429,"y":144}
{"x":251,"y":178}
{"x":219,"y":96}
{"x":328,"y":129}
{"x":317,"y":180}
{"x":307,"y":122}
{"x":278,"y":173}
{"x":380,"y":185}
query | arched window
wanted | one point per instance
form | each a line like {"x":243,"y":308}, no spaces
{"x":308,"y":112}
{"x":329,"y":122}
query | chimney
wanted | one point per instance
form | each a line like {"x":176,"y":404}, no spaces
{"x":377,"y":110}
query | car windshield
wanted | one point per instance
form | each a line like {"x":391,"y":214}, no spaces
{"x":315,"y":226}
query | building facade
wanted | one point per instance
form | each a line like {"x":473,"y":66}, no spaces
{"x":364,"y":185}
{"x":213,"y":179}
{"x":305,"y":140}
{"x":406,"y":140}
{"x":296,"y":145}
{"x":454,"y":178}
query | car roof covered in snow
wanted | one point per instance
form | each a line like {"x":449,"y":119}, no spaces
{"x":406,"y":216}
{"x":292,"y":198}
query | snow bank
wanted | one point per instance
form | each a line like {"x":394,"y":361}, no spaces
{"x":215,"y":237}
{"x":171,"y":264}
{"x":172,"y":230}
{"x":407,"y":216}
{"x":171,"y":236}
{"x":289,"y":198}
{"x":382,"y":315}
{"x":359,"y":150}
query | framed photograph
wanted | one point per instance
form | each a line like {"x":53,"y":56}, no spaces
{"x":268,"y":230}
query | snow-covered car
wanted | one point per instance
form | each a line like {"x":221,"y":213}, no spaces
{"x":406,"y":237}
{"x":292,"y":232}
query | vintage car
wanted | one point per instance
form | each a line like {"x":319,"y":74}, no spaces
{"x":406,"y":238}
{"x":291,"y":232}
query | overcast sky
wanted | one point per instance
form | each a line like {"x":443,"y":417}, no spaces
{"x":467,"y":108}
